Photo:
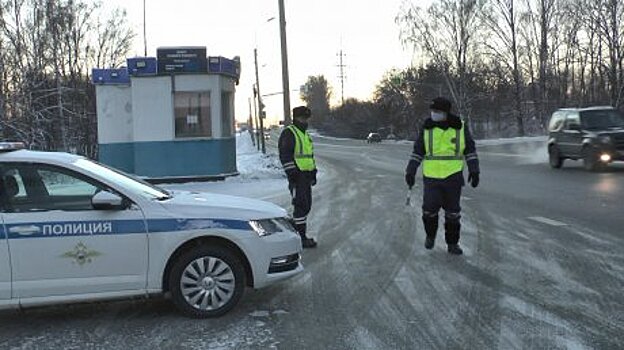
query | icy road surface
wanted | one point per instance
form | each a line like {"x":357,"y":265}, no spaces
{"x":543,"y":268}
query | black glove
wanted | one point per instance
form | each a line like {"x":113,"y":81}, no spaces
{"x":410,"y":179}
{"x":313,"y":179}
{"x":292,"y":176}
{"x":473,"y":178}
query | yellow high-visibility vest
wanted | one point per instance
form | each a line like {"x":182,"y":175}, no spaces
{"x":444,"y":152}
{"x":304,"y":149}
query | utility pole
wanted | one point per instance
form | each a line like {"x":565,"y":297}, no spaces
{"x":342,"y":76}
{"x":260,"y":104}
{"x":255,"y":109}
{"x":144,"y":31}
{"x":250,"y":125}
{"x":285,"y":79}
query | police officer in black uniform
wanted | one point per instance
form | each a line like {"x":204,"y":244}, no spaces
{"x":442,"y":150}
{"x":297,"y":157}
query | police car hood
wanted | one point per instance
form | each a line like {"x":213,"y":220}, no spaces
{"x":211,"y":205}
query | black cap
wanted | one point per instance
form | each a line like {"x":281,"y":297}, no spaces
{"x":441,"y":104}
{"x":302,"y":112}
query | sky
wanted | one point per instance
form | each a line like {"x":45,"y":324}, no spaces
{"x":316,"y":32}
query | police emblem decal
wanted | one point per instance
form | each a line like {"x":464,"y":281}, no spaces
{"x":81,"y":254}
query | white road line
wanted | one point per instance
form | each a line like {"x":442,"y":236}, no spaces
{"x":466,"y":198}
{"x":547,"y":221}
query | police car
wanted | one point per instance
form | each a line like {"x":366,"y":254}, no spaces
{"x":73,"y":230}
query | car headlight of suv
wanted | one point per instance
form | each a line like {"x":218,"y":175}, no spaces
{"x":604,"y":139}
{"x":267,"y":227}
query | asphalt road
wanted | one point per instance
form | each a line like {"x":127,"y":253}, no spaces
{"x":543,"y":269}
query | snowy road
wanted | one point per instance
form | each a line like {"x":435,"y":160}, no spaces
{"x":543,"y":269}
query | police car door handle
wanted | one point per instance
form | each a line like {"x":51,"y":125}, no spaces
{"x":25,"y":230}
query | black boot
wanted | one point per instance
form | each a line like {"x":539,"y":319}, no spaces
{"x":431,"y":229}
{"x":455,"y":249}
{"x":452,"y":237}
{"x":308,"y":242}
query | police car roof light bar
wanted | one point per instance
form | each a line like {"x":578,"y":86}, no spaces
{"x":11,"y":146}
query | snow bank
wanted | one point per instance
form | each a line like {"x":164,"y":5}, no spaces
{"x":252,"y":164}
{"x":513,"y":140}
{"x":261,"y":176}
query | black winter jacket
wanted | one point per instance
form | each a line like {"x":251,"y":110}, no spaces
{"x":470,"y":152}
{"x":286,"y":147}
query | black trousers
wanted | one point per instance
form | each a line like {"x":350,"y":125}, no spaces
{"x":301,"y":192}
{"x":446,"y":195}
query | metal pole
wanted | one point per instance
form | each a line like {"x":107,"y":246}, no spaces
{"x":255,"y":109}
{"x":260,"y":104}
{"x":251,"y":124}
{"x":285,"y":79}
{"x":144,"y":31}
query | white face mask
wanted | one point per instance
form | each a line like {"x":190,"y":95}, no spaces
{"x":438,"y":116}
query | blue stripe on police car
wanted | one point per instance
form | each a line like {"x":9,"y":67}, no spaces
{"x":116,"y":227}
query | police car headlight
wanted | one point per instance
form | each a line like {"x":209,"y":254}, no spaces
{"x":265,"y":227}
{"x":268,"y":227}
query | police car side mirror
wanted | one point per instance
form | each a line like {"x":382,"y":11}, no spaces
{"x":104,"y":200}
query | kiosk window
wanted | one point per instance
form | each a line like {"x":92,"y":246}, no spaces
{"x":192,"y":114}
{"x":227,"y":114}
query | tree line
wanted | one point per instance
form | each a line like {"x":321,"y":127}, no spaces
{"x":505,"y":64}
{"x":47,"y":50}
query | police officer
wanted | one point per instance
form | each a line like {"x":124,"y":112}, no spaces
{"x":296,"y":153}
{"x":441,"y":147}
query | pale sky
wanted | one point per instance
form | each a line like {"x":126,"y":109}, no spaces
{"x":315,"y":31}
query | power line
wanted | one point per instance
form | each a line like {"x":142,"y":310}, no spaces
{"x":342,"y":75}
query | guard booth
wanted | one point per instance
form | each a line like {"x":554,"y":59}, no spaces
{"x":169,"y":117}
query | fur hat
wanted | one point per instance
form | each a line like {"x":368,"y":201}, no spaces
{"x":302,"y":112}
{"x":441,"y":104}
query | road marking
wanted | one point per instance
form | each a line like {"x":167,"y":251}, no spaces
{"x":547,"y":221}
{"x":466,"y":198}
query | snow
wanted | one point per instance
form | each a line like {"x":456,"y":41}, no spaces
{"x":485,"y":142}
{"x":261,"y":175}
{"x":513,"y":140}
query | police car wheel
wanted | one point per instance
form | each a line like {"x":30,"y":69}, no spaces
{"x":207,"y":281}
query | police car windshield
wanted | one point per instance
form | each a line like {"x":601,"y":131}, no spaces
{"x":129,"y":182}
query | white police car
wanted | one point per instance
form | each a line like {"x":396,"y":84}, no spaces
{"x":75,"y":230}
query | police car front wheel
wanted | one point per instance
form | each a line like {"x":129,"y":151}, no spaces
{"x":207,"y":281}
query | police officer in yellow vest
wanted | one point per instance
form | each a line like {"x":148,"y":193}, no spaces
{"x":441,"y":147}
{"x":296,"y":154}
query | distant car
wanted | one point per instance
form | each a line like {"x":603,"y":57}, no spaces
{"x":373,"y":137}
{"x":595,"y":135}
{"x":73,"y":230}
{"x":391,"y":137}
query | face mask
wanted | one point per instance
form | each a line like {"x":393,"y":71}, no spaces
{"x":302,"y":122}
{"x":438,"y":116}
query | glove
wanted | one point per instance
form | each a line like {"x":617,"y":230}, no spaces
{"x":292,"y":176}
{"x":410,"y":179}
{"x":313,"y":181}
{"x":473,"y":178}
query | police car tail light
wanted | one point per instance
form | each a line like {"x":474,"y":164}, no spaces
{"x":265,"y":227}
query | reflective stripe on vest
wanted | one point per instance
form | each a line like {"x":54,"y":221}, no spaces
{"x":304,"y":150}
{"x":444,"y":152}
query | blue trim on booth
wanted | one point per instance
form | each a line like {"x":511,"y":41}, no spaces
{"x":118,"y":155}
{"x":183,"y":158}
